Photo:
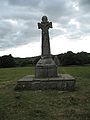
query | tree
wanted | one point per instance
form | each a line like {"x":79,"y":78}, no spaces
{"x":7,"y":61}
{"x":82,"y":58}
{"x":68,"y":58}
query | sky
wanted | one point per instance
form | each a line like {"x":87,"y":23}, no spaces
{"x":19,"y":33}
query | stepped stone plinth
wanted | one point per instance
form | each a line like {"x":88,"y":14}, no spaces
{"x":46,"y":76}
{"x":62,"y":82}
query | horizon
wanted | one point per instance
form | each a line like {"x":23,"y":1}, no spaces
{"x":51,"y":54}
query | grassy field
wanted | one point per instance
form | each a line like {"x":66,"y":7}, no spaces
{"x":44,"y":105}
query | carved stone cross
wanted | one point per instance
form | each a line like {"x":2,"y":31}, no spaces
{"x":44,"y":26}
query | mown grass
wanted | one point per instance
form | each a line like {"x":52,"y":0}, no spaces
{"x":44,"y":105}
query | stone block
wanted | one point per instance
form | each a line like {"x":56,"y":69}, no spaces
{"x":62,"y":82}
{"x":45,"y":68}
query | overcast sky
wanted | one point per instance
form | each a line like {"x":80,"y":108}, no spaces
{"x":19,"y":33}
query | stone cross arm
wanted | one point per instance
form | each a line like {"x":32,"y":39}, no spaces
{"x":45,"y":25}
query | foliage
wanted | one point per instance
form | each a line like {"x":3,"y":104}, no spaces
{"x":66,"y":59}
{"x":22,"y":62}
{"x":71,"y":58}
{"x":7,"y":61}
{"x":82,"y":58}
{"x":44,"y":105}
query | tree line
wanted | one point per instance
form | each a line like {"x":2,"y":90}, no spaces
{"x":70,"y":58}
{"x":7,"y":61}
{"x":65,"y":59}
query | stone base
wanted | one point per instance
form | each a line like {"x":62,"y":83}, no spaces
{"x":62,"y":82}
{"x":45,"y":71}
{"x":45,"y":68}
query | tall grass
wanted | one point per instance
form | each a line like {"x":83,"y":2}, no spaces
{"x":44,"y":105}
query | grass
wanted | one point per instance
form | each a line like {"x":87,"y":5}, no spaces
{"x":44,"y":105}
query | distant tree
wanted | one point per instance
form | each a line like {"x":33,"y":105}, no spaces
{"x":60,"y":56}
{"x":26,"y":63}
{"x":82,"y":58}
{"x":7,"y":61}
{"x":68,"y":58}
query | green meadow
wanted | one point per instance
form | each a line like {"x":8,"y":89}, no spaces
{"x":48,"y":104}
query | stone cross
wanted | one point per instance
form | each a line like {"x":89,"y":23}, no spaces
{"x":44,"y":26}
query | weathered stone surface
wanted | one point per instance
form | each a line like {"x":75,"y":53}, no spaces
{"x":62,"y":82}
{"x":45,"y":67}
{"x":56,"y":60}
{"x":44,"y":26}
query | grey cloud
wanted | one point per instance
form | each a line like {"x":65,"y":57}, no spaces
{"x":74,"y":35}
{"x":56,"y":32}
{"x":84,"y":2}
{"x":84,"y":19}
{"x":64,"y":20}
{"x":27,"y":13}
{"x":23,"y":2}
{"x":19,"y":34}
{"x":58,"y":8}
{"x":54,"y":9}
{"x":12,"y":36}
{"x":84,"y":6}
{"x":26,"y":3}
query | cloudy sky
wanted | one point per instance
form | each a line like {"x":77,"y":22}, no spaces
{"x":19,"y":33}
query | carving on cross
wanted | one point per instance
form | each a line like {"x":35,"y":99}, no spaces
{"x":44,"y":26}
